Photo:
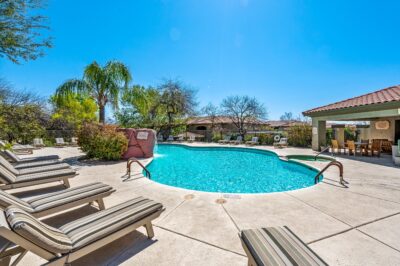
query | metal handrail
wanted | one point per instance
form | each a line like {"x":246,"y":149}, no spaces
{"x":338,"y":164}
{"x":319,"y":153}
{"x":135,"y":160}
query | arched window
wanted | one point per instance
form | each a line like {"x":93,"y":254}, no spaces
{"x":201,"y":128}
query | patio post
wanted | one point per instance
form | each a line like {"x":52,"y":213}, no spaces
{"x":318,"y":133}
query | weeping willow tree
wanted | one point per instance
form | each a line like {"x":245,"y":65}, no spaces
{"x":101,"y":83}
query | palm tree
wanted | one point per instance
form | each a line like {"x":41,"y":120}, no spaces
{"x":103,"y":84}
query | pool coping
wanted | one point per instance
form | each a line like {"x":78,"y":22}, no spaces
{"x":295,"y":161}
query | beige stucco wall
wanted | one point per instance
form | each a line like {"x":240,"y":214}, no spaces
{"x":364,"y":134}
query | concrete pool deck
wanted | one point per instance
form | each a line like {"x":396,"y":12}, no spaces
{"x":357,"y":225}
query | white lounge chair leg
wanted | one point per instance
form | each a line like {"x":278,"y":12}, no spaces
{"x":66,"y":182}
{"x":149,"y":229}
{"x":100,"y":202}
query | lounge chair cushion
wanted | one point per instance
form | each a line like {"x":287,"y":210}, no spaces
{"x":14,"y":158}
{"x":6,"y":177}
{"x":278,"y":246}
{"x":59,"y":198}
{"x":37,"y":232}
{"x":8,"y":166}
{"x":7,"y":200}
{"x":35,"y":164}
{"x":101,"y":224}
{"x":45,"y":175}
{"x":44,"y":168}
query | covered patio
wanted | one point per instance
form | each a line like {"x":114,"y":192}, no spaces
{"x":380,"y":110}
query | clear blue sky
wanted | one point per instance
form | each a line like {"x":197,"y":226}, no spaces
{"x":291,"y":55}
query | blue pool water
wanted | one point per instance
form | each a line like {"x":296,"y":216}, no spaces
{"x":229,"y":170}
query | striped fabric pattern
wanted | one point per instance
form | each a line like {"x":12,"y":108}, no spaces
{"x":279,"y":246}
{"x":7,"y":200}
{"x":45,"y":175}
{"x":37,"y":232}
{"x":43,"y":168}
{"x":6,"y":177}
{"x":101,"y":224}
{"x":14,"y":158}
{"x":35,"y":164}
{"x":63,"y":197}
{"x":8,"y":166}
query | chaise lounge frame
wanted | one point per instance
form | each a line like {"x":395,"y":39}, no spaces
{"x":63,"y":179}
{"x":24,"y":245}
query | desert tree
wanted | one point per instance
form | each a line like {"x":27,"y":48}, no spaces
{"x":177,"y":100}
{"x":287,"y":116}
{"x":21,"y":30}
{"x":243,"y":111}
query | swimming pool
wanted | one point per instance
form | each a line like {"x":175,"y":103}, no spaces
{"x":228,"y":170}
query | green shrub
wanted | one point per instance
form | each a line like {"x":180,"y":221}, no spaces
{"x":300,"y":135}
{"x":248,"y":137}
{"x":102,"y":141}
{"x":350,"y":134}
{"x":267,"y":139}
{"x":216,"y":137}
{"x":329,"y":135}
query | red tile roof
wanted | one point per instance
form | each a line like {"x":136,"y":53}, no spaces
{"x":391,"y":94}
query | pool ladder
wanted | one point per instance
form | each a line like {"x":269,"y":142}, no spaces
{"x":135,"y":160}
{"x":336,"y":163}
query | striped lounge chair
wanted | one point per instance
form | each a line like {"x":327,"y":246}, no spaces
{"x":14,"y":158}
{"x":38,"y":143}
{"x":277,"y":246}
{"x":253,"y":141}
{"x":10,"y":179}
{"x":226,"y":139}
{"x":19,"y":148}
{"x":238,"y":140}
{"x":59,"y":201}
{"x":21,"y":232}
{"x":60,"y":142}
{"x":33,"y":169}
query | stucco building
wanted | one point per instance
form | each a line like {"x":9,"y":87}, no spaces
{"x":380,"y":109}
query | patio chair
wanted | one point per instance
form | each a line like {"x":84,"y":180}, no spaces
{"x":60,"y":142}
{"x":74,"y":141}
{"x":18,"y":148}
{"x":63,"y":245}
{"x":170,"y":138}
{"x":180,"y":139}
{"x":14,"y":158}
{"x":32,"y":170}
{"x":376,"y":147}
{"x":335,"y":147}
{"x":282,"y":143}
{"x":277,"y":246}
{"x":253,"y":141}
{"x":192,"y":138}
{"x":238,"y":140}
{"x":38,"y":143}
{"x":227,"y":139}
{"x":51,"y":203}
{"x":351,"y":147}
{"x":10,"y":180}
{"x":160,"y":138}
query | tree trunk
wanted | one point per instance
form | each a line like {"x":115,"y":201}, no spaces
{"x":102,"y":114}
